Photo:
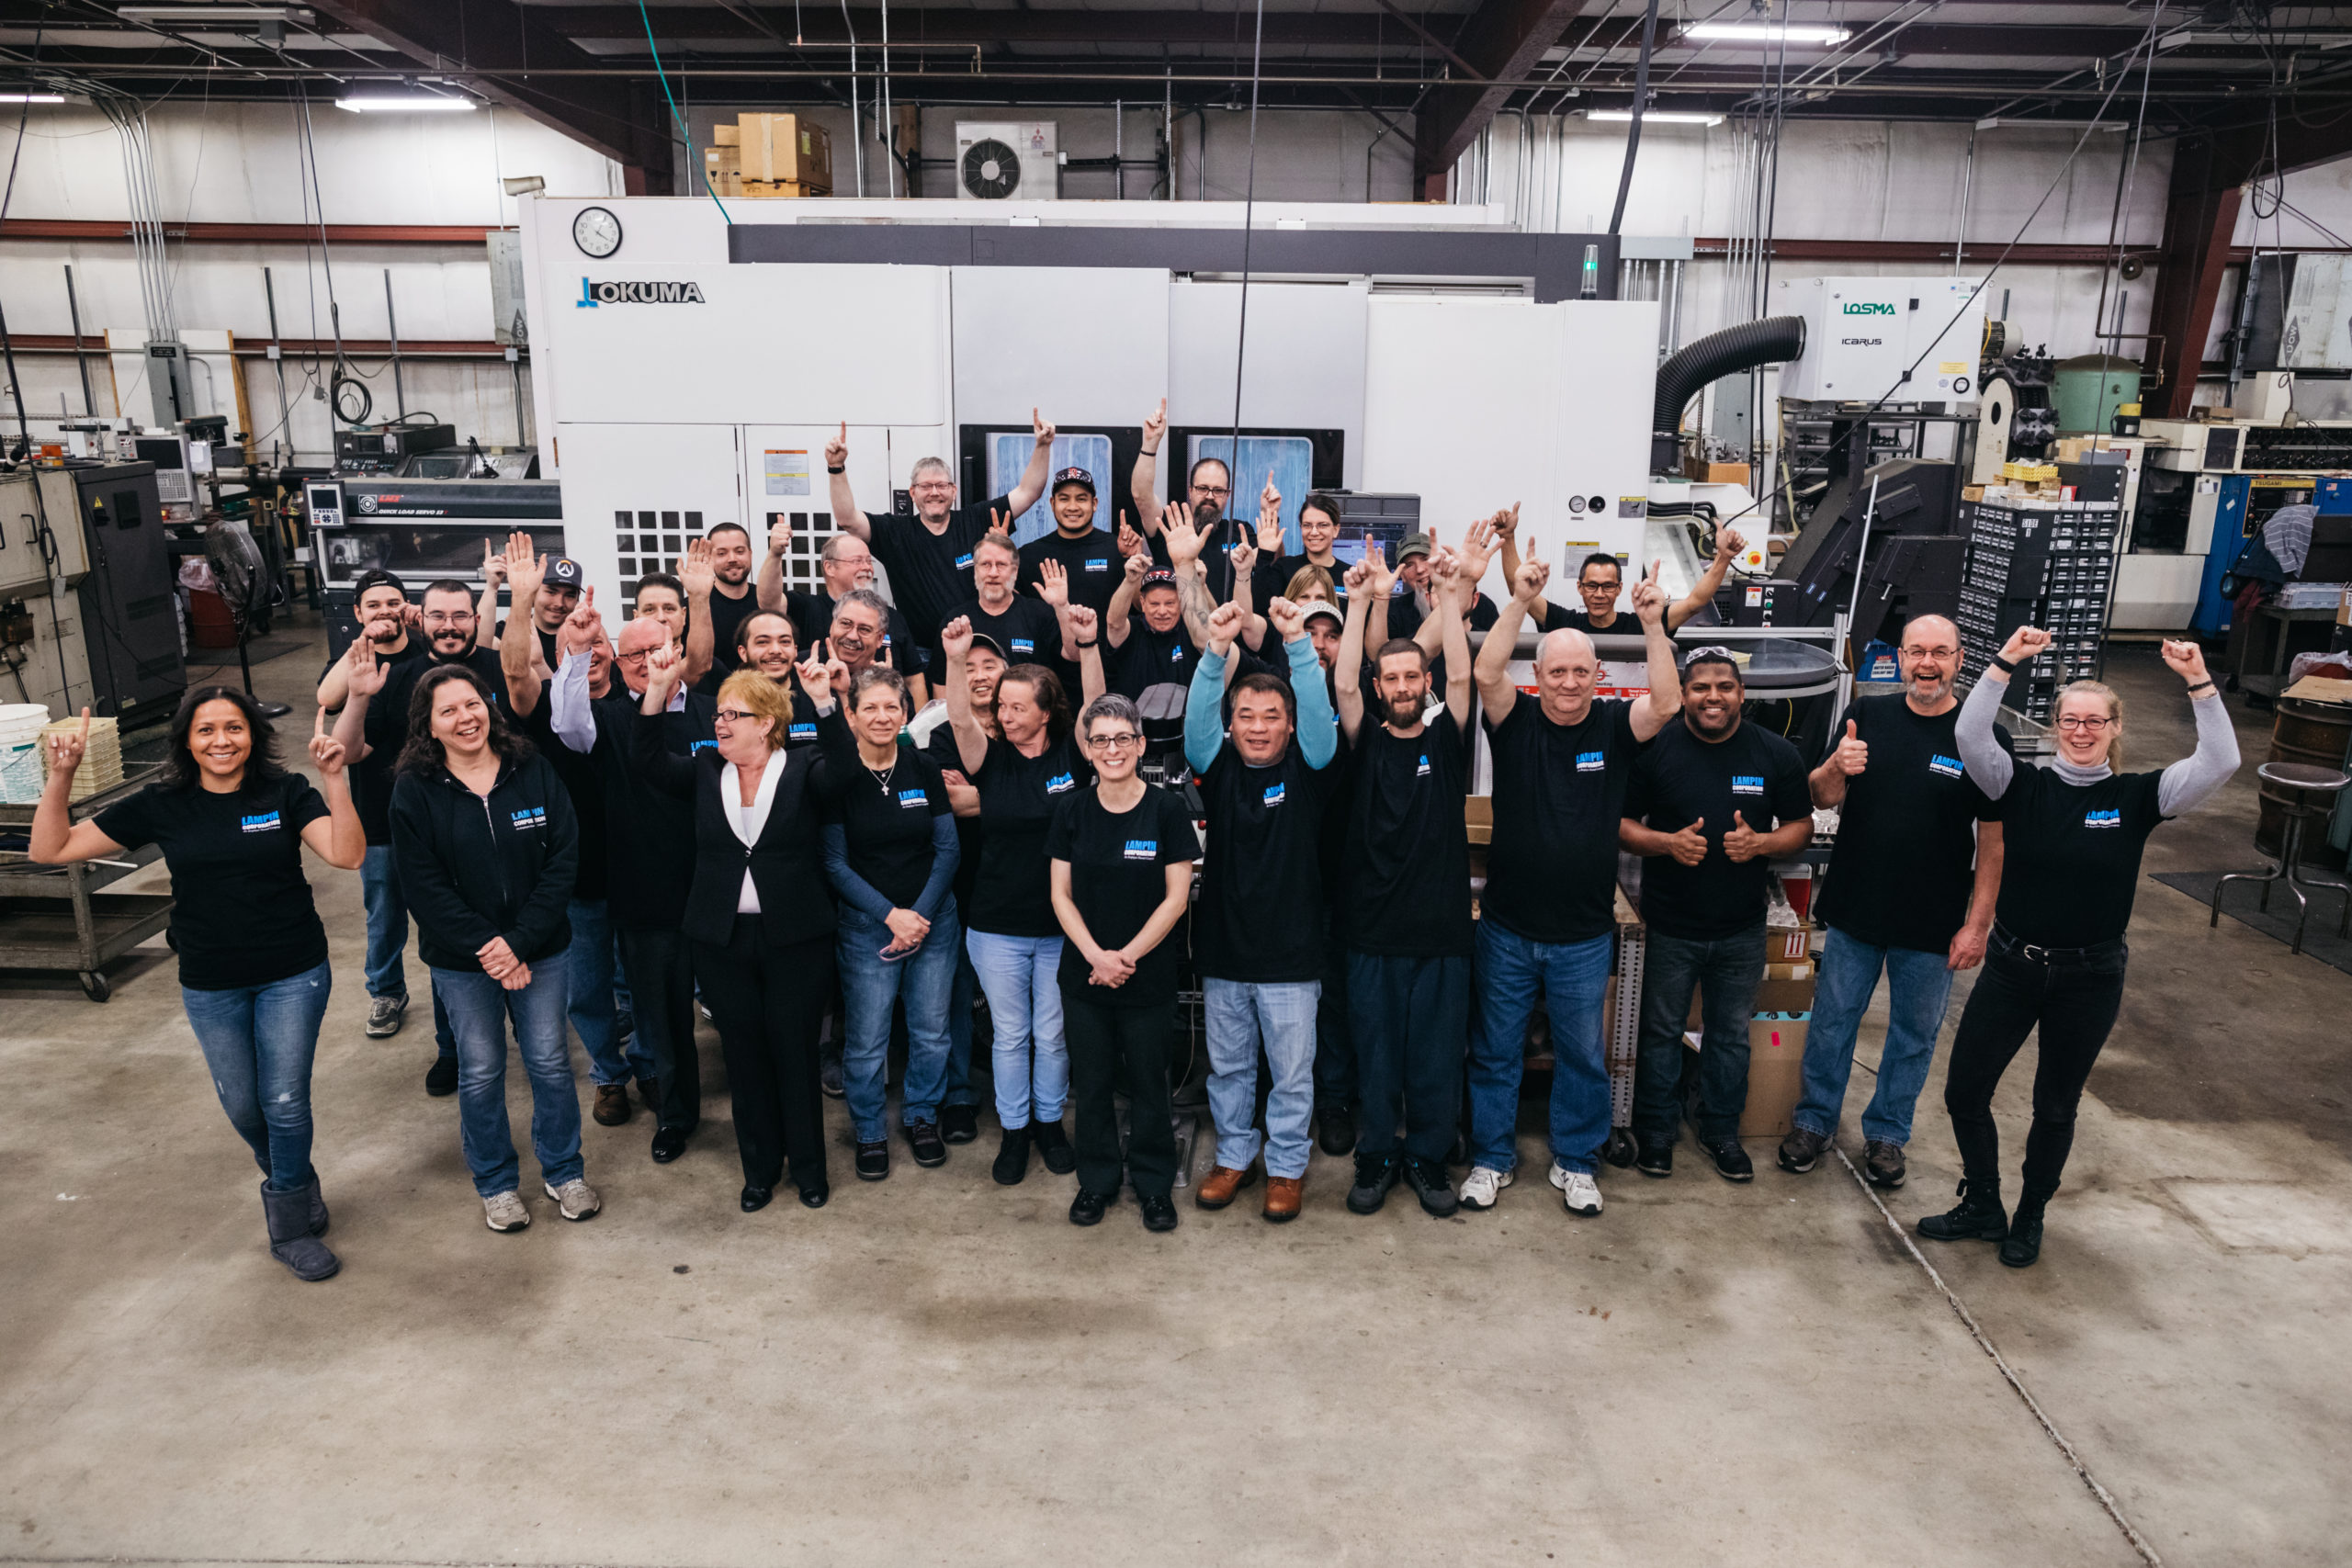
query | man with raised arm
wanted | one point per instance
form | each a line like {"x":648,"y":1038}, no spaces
{"x":1208,"y":493}
{"x":1562,"y":760}
{"x":844,"y":563}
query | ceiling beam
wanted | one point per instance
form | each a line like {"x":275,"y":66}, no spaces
{"x":493,"y":46}
{"x":1506,"y":39}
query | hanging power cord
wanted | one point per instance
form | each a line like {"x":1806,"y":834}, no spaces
{"x":685,"y":135}
{"x":1634,"y":129}
{"x":1249,"y":207}
{"x":346,"y":393}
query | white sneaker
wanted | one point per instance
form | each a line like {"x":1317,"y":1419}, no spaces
{"x":1478,"y":1187}
{"x":575,"y":1198}
{"x":1579,"y":1191}
{"x":504,"y":1212}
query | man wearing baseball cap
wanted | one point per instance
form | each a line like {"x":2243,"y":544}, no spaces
{"x":1088,"y":556}
{"x":556,"y":596}
{"x":1151,"y":654}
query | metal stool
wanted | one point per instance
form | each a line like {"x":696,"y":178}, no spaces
{"x":2315,"y":788}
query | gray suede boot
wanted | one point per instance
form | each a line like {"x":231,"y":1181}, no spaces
{"x":290,"y":1241}
{"x":318,"y":1206}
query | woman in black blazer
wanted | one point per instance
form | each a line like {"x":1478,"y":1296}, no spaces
{"x":761,"y":912}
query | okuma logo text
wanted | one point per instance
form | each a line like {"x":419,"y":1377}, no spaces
{"x":593,"y":294}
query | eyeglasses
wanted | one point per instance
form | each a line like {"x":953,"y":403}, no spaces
{"x":1124,"y":741}
{"x":2092,"y":723}
{"x":441,"y":618}
{"x":638,"y":658}
{"x":1933,"y":652}
{"x":1215,"y":489}
{"x":733,"y":715}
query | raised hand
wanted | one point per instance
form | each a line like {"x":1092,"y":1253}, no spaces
{"x":1357,"y":578}
{"x":1041,"y":427}
{"x":1729,"y":542}
{"x":1226,"y":623}
{"x":1479,"y":543}
{"x":664,"y":666}
{"x":366,"y":673}
{"x":1445,"y":566}
{"x":1155,"y":428}
{"x":2026,"y":641}
{"x":579,"y":629}
{"x":780,"y":538}
{"x":1184,"y":539}
{"x":1083,"y":622}
{"x":1001,"y":523}
{"x":956,"y":639}
{"x":67,"y":746}
{"x":815,"y":679}
{"x":2187,"y":658}
{"x":1382,"y":581}
{"x":1286,"y":617}
{"x":1243,"y":557}
{"x":695,"y":571}
{"x":1741,"y":843}
{"x":494,"y":565}
{"x":1853,"y":753}
{"x":1053,"y":583}
{"x":1506,"y":521}
{"x":524,"y":570}
{"x":1137,"y":565}
{"x":1131,"y":544}
{"x":1690,"y":846}
{"x":1529,"y":585}
{"x":1649,"y":599}
{"x":837,"y":449}
{"x":836,"y":670}
{"x":326,"y":751}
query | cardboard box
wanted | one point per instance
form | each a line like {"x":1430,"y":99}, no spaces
{"x":727,"y":136}
{"x":1478,"y":818}
{"x":783,"y":189}
{"x":1701,"y":471}
{"x":785,"y":148}
{"x":1776,"y":1035}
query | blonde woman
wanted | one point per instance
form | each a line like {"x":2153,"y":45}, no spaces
{"x":2072,"y":836}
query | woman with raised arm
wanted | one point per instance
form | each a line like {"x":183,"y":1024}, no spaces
{"x":2072,"y":837}
{"x":232,"y":823}
{"x":1010,"y":929}
{"x":759,"y":913}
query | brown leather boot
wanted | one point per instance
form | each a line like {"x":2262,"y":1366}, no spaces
{"x":612,"y":1104}
{"x":1283,"y":1195}
{"x":1222,"y":1184}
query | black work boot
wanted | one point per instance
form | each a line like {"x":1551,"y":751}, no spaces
{"x":1977,"y":1217}
{"x":2022,"y":1246}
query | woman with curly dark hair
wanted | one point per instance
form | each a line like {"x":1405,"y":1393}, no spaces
{"x":232,"y":823}
{"x":487,"y":847}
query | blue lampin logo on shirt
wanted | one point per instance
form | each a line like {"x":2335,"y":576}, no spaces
{"x":1059,"y":783}
{"x":800,"y":732}
{"x":529,"y":817}
{"x":694,"y":745}
{"x":1023,"y":645}
{"x":913,"y":797}
{"x":1143,"y":848}
{"x":1176,"y":654}
{"x":1424,"y":766}
{"x":964,"y":561}
{"x":1099,"y":565}
{"x":2103,"y":818}
{"x":1592,"y":762}
{"x":1746,"y":783}
{"x":1948,"y":766}
{"x":1273,"y":795}
{"x":261,"y":822}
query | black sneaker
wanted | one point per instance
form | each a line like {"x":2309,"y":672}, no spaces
{"x":1159,"y":1211}
{"x":924,"y":1142}
{"x":874,"y":1160}
{"x":2023,"y":1244}
{"x":1428,"y":1180}
{"x":1978,"y":1216}
{"x":1655,"y":1158}
{"x":1883,"y":1163}
{"x":959,"y":1123}
{"x":1053,"y":1147}
{"x":1335,"y":1128}
{"x":1012,"y":1157}
{"x":1087,"y":1208}
{"x":829,"y":1077}
{"x":441,"y":1078}
{"x":385,"y":1015}
{"x":1376,"y":1174}
{"x":1731,"y":1161}
{"x":1800,"y":1151}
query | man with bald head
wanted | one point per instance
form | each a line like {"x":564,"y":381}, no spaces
{"x":1910,"y":890}
{"x":1561,"y":758}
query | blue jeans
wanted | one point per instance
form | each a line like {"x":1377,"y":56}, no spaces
{"x":380,"y":889}
{"x":1574,"y":976}
{"x":478,"y":1009}
{"x":1025,"y":1004}
{"x":623,"y":1003}
{"x":258,"y":1042}
{"x":1726,"y":972}
{"x":1410,"y":1020}
{"x":1239,"y":1014}
{"x":958,"y":1079}
{"x":590,"y":975}
{"x":869,"y":987}
{"x":1918,"y":987}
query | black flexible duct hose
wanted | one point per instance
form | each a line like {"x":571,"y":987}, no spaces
{"x":1771,"y":341}
{"x":1641,"y":103}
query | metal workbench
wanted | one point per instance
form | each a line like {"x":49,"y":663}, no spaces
{"x":53,"y":917}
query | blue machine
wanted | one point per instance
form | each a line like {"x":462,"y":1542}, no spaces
{"x":2247,"y":502}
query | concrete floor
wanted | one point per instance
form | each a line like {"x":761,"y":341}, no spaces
{"x":939,"y":1368}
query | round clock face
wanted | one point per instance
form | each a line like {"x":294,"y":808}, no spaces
{"x":596,"y":231}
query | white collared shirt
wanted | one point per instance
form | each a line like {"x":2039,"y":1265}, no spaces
{"x":749,"y":820}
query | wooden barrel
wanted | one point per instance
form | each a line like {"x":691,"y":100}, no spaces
{"x":2303,"y":731}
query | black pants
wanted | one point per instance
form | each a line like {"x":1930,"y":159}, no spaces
{"x":767,"y":1003}
{"x":1102,"y":1040}
{"x":1335,"y":1047}
{"x":659,"y":966}
{"x":2074,"y":1002}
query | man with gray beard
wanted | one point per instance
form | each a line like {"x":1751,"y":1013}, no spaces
{"x":1910,"y":890}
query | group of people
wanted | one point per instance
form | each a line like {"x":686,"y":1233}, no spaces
{"x":1060,"y":774}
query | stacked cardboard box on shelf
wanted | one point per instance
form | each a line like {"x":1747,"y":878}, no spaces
{"x":772,"y":155}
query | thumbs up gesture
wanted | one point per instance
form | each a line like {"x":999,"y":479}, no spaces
{"x":1853,"y":753}
{"x":1690,"y":846}
{"x":1742,"y":842}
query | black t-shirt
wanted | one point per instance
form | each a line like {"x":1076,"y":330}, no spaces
{"x":930,"y":573}
{"x":1092,"y":561}
{"x":1271,"y":581}
{"x":1408,"y":865}
{"x":371,"y":779}
{"x":1560,"y":794}
{"x":726,"y":617}
{"x":1156,"y":669}
{"x":1013,"y":895}
{"x":387,"y":727}
{"x":1560,"y":618}
{"x":1116,"y":879}
{"x":943,"y":756}
{"x":888,"y":825}
{"x":1906,"y":857}
{"x":1027,"y":631}
{"x":1681,"y":779}
{"x":2070,"y":855}
{"x":242,"y":913}
{"x":1261,"y":914}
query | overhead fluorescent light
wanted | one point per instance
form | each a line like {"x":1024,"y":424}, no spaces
{"x":214,"y":16}
{"x":1656,"y":116}
{"x":413,"y":103}
{"x":1766,"y":33}
{"x":32,"y":97}
{"x":2056,"y":124}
